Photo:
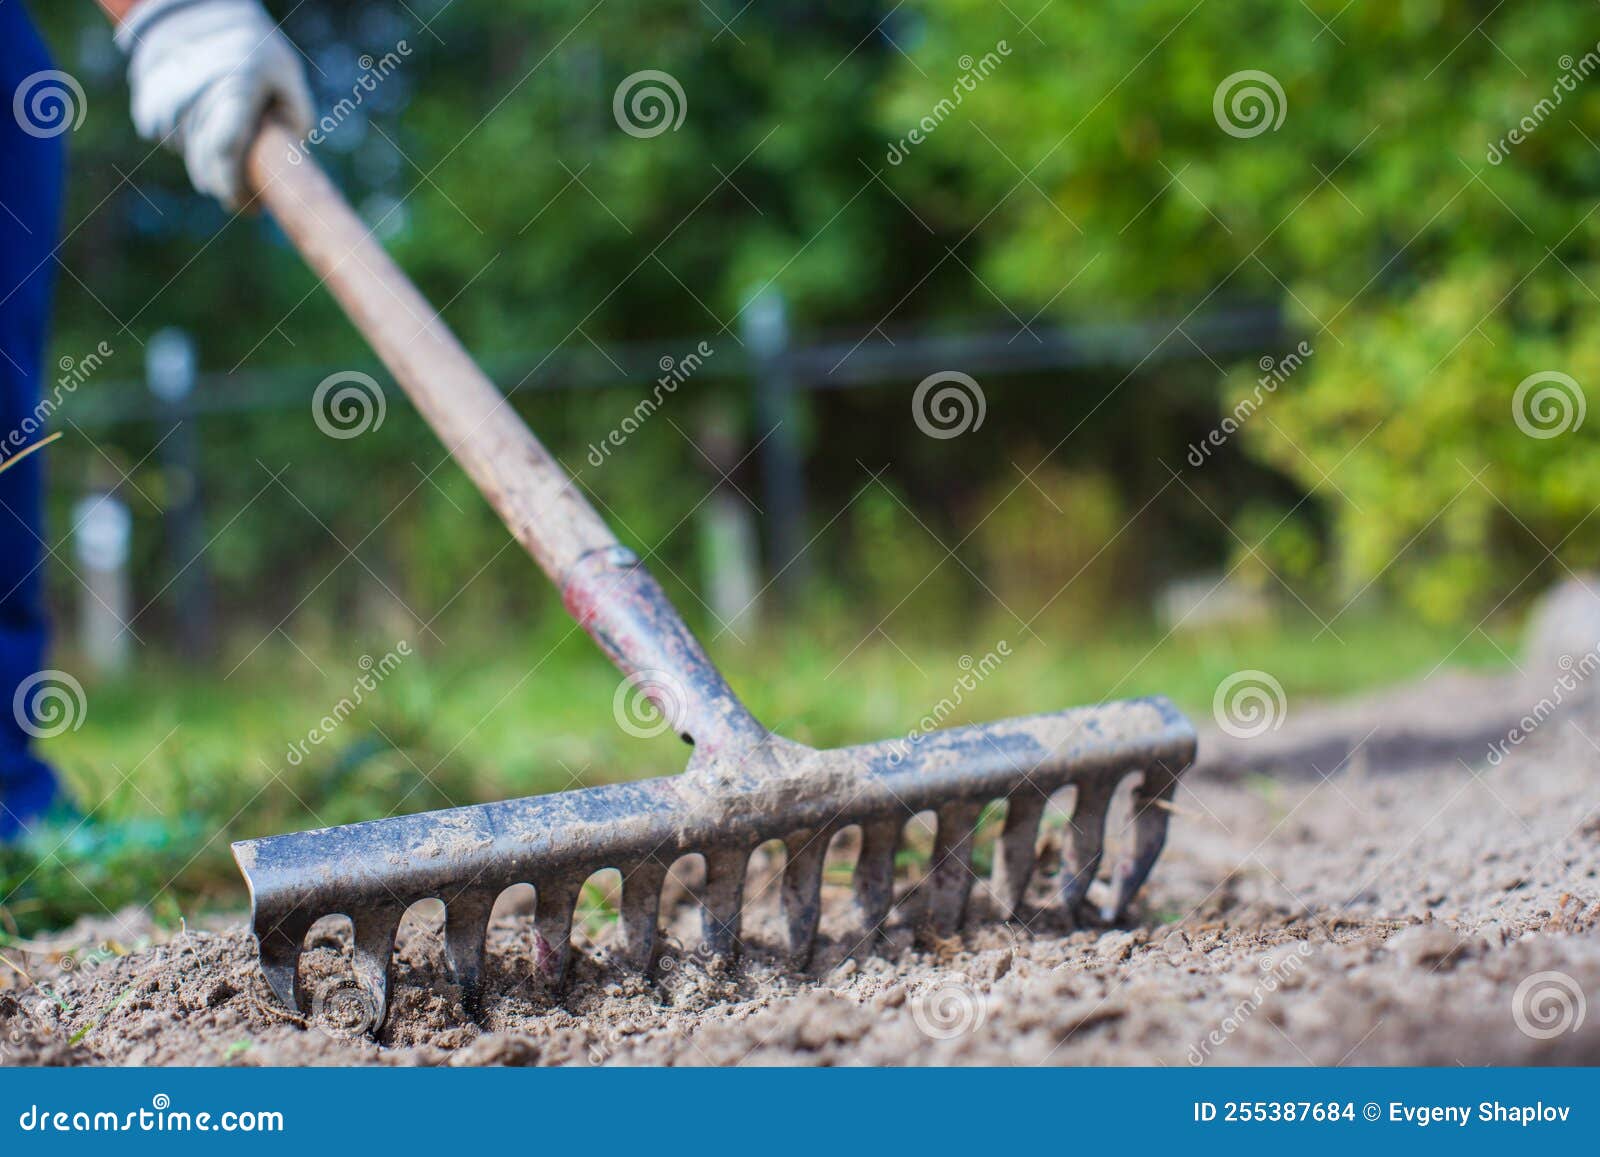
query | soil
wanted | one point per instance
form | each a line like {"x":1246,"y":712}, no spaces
{"x":1362,"y":885}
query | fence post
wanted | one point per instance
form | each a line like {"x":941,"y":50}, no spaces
{"x":102,"y":527}
{"x":765,"y":323}
{"x":730,"y":556}
{"x":170,"y":372}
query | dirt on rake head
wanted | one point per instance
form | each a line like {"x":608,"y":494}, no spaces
{"x":722,"y":808}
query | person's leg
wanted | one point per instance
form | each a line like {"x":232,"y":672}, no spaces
{"x":30,"y":210}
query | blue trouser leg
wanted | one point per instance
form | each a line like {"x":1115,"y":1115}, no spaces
{"x":30,"y":193}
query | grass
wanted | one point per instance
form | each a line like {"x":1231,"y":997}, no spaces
{"x":171,"y":765}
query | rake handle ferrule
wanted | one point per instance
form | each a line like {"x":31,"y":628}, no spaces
{"x":613,"y":597}
{"x":618,"y":603}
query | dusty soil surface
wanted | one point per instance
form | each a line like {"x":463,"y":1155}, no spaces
{"x":1361,"y":885}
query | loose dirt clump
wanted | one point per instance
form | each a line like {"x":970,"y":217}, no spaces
{"x":1433,"y":909}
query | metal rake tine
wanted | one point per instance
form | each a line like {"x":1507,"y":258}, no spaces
{"x":1149,"y":836}
{"x":641,"y":912}
{"x":1085,"y":844}
{"x":375,"y":932}
{"x":552,"y":924}
{"x":723,"y":900}
{"x":1018,"y":850}
{"x":802,"y":891}
{"x":280,"y":960}
{"x":949,"y":880}
{"x":874,"y":878}
{"x":466,"y":936}
{"x":722,"y":807}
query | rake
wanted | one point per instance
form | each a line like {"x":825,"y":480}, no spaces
{"x":743,"y":785}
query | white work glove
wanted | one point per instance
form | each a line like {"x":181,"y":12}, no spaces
{"x":202,"y":72}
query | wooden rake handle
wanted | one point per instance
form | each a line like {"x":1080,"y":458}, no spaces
{"x":533,"y":495}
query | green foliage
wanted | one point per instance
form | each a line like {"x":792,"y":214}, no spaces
{"x":1432,"y":479}
{"x":1429,"y":281}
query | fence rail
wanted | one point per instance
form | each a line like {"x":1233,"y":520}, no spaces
{"x":778,"y":374}
{"x":821,"y":365}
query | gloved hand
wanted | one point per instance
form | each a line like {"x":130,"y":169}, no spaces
{"x":202,"y":73}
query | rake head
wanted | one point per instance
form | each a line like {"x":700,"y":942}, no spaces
{"x":743,"y":786}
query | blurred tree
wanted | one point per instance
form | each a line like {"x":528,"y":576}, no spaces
{"x":1417,"y":178}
